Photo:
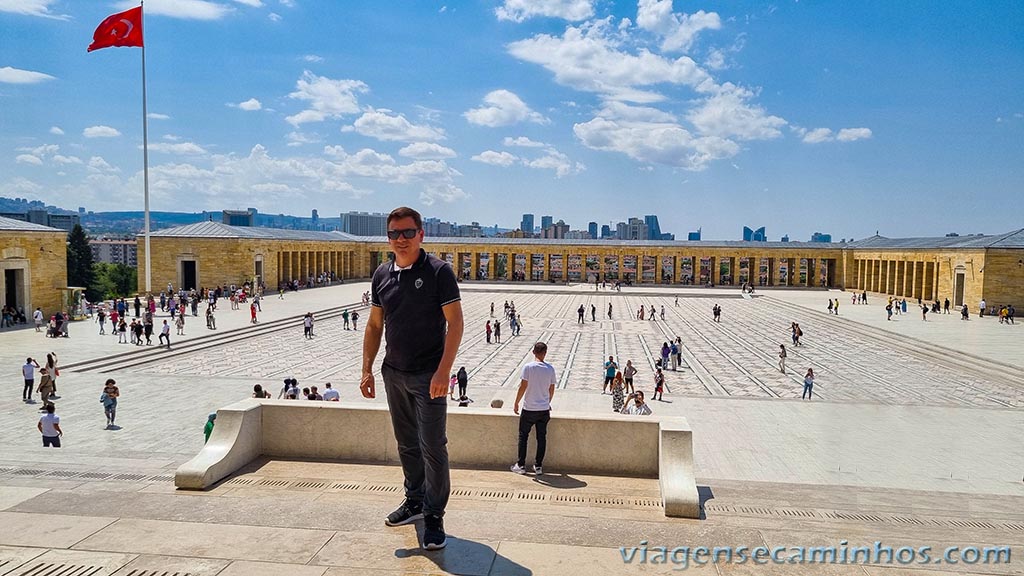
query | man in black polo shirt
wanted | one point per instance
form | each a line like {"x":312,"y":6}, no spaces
{"x":415,"y":299}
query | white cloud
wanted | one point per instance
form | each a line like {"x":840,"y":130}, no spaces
{"x":678,"y":31}
{"x":296,"y":138}
{"x":313,"y":58}
{"x":10,"y":75}
{"x":249,"y":105}
{"x":327,"y":98}
{"x":42,"y":150}
{"x":100,"y":132}
{"x":520,"y":10}
{"x":61,"y":159}
{"x":171,"y":137}
{"x":28,"y":159}
{"x":380,"y":124}
{"x":274,"y":17}
{"x":155,"y":116}
{"x":31,"y":8}
{"x":368,"y":163}
{"x":183,"y":9}
{"x":426,"y":151}
{"x":495,"y":158}
{"x":587,"y":59}
{"x":851,"y":134}
{"x":728,"y":114}
{"x":288,"y":3}
{"x":622,"y":111}
{"x":252,"y":3}
{"x":818,"y":135}
{"x":555,"y":160}
{"x":522,"y":141}
{"x":655,"y":142}
{"x":503,"y":108}
{"x":445,"y":192}
{"x":97,"y":164}
{"x":184,"y":148}
{"x":56,"y":131}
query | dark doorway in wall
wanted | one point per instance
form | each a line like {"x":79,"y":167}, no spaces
{"x":188,"y":274}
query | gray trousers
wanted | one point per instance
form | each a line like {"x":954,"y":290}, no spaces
{"x":420,"y":424}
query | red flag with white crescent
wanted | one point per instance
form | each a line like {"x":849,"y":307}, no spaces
{"x":121,"y":29}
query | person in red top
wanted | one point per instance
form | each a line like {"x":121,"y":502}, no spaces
{"x":252,"y":312}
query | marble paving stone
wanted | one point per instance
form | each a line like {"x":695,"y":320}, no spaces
{"x":14,"y":495}
{"x":522,"y":559}
{"x":208,"y":540}
{"x":49,"y":530}
{"x":400,"y":550}
{"x":60,"y":562}
{"x":12,"y":557}
{"x":343,"y":571}
{"x":170,"y":565}
{"x":246,"y":568}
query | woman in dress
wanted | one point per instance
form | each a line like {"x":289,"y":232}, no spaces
{"x":617,"y":387}
{"x":51,"y":367}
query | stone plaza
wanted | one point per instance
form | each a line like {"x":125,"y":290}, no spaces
{"x":912,"y":439}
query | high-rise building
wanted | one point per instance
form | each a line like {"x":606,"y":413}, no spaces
{"x":557,"y":230}
{"x":364,"y":224}
{"x":606,"y":231}
{"x":473,"y":230}
{"x":546,"y":222}
{"x":784,"y":238}
{"x":592,"y":228}
{"x":819,"y":237}
{"x":315,"y":219}
{"x":434,"y":228}
{"x":635,"y":229}
{"x":694,"y":236}
{"x":527,"y":224}
{"x":653,"y":229}
{"x":758,"y":235}
{"x":114,"y":251}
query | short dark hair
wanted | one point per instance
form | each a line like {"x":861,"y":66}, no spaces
{"x":540,"y":348}
{"x":110,"y":381}
{"x":50,"y":407}
{"x":406,"y":212}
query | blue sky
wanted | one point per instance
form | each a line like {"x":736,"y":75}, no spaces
{"x":840,"y":117}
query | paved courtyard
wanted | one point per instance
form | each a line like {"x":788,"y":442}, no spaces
{"x":915,"y":426}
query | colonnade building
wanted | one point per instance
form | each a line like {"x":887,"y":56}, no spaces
{"x":963,"y":269}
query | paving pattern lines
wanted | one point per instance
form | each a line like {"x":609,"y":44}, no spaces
{"x":907,"y":365}
{"x":847,"y":378}
{"x":998,"y":382}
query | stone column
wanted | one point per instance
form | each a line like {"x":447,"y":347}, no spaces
{"x":474,"y":265}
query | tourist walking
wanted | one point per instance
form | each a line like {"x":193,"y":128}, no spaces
{"x":211,"y":420}
{"x":835,"y":309}
{"x":627,"y":374}
{"x":355,"y":320}
{"x":981,"y":306}
{"x":45,"y":388}
{"x":665,"y":353}
{"x":536,"y":389}
{"x":808,"y":385}
{"x":782,"y":358}
{"x":179,"y":323}
{"x":51,"y":368}
{"x":579,"y":314}
{"x":716,"y":310}
{"x":673,"y":354}
{"x":462,"y":378}
{"x":307,"y":325}
{"x":488,"y":331}
{"x":165,"y":334}
{"x":415,"y":297}
{"x":109,"y":398}
{"x":659,"y":385}
{"x":618,"y":385}
{"x":497,"y":331}
{"x":609,"y":373}
{"x":344,"y":319}
{"x":252,"y":313}
{"x":49,"y":426}
{"x":28,"y":371}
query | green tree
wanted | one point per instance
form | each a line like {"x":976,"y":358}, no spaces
{"x":114,"y":280}
{"x":80,"y":271}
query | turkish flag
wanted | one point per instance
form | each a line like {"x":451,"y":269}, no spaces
{"x":121,"y":29}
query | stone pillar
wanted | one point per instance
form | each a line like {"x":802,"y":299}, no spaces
{"x":547,"y":267}
{"x":474,"y":265}
{"x":929,"y":282}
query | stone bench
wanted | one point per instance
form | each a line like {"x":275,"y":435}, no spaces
{"x":658,"y":447}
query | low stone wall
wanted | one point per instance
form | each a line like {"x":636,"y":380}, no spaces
{"x":645,"y":447}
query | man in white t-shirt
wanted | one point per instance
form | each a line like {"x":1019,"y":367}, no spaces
{"x":635,"y":405}
{"x":165,"y":334}
{"x":38,"y":317}
{"x":535,"y":392}
{"x":330,"y":394}
{"x":29,"y":372}
{"x":49,"y":426}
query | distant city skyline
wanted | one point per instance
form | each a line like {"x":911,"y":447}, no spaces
{"x":711,"y":115}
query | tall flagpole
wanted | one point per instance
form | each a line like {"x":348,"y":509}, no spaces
{"x":145,"y":157}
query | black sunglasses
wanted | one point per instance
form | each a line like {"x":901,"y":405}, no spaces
{"x":408,"y":233}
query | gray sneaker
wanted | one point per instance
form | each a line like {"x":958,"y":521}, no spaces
{"x":537,"y":470}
